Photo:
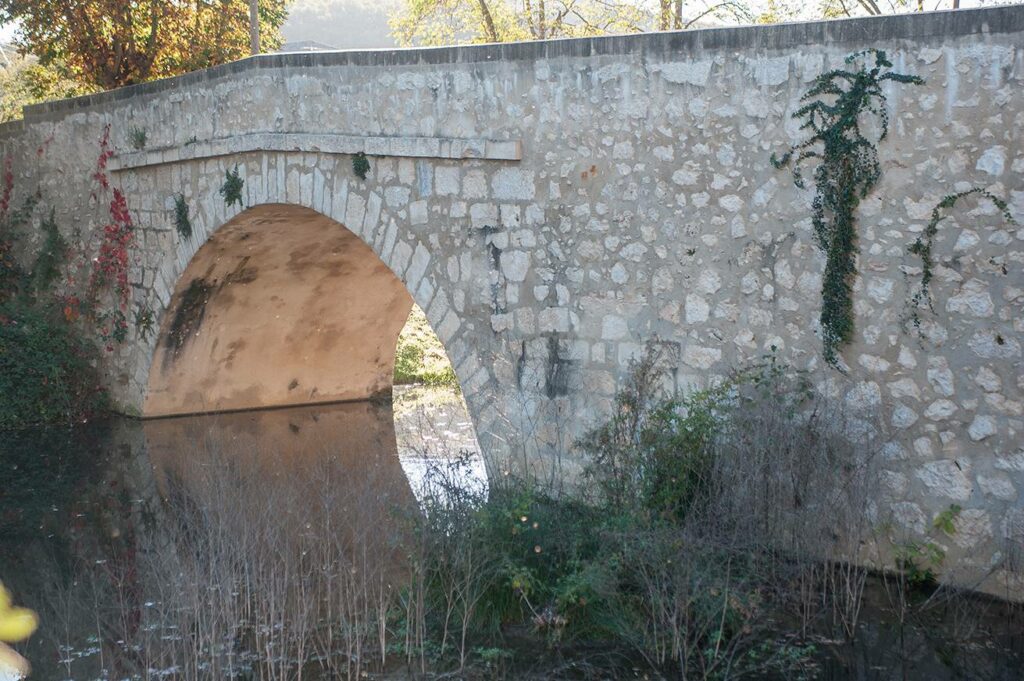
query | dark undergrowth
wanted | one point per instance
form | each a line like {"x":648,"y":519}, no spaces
{"x":712,"y":538}
{"x":47,"y":367}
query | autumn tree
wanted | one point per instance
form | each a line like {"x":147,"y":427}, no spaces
{"x":23,"y":81}
{"x":439,"y":22}
{"x":111,"y":43}
{"x":831,"y":9}
{"x":445,"y":22}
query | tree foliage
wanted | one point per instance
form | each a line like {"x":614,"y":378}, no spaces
{"x":832,"y":9}
{"x":445,"y":22}
{"x":25,"y":81}
{"x":112,"y":43}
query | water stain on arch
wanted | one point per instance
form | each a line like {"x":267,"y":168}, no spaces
{"x":281,"y":306}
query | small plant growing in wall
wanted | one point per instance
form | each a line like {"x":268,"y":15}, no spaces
{"x":182,"y":222}
{"x":360,"y":165}
{"x":137,"y":137}
{"x":846,"y":172}
{"x":231,"y":190}
{"x":919,"y":561}
{"x":922,"y":246}
{"x":144,"y":321}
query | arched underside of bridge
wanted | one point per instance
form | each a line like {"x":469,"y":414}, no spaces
{"x":281,"y":306}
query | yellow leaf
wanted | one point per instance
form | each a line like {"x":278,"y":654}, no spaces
{"x":17,"y":624}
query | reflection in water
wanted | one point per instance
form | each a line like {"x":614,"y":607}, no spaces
{"x":222,"y":545}
{"x":432,"y":425}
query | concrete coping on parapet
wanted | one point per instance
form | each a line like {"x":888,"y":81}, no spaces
{"x":412,"y":147}
{"x":876,"y":30}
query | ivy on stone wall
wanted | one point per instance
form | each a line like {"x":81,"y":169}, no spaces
{"x":922,"y":246}
{"x":51,"y":256}
{"x":47,"y":365}
{"x":231,"y":190}
{"x":360,"y":165}
{"x":182,"y":221}
{"x":846,"y":172}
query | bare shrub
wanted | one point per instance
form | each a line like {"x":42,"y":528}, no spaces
{"x":745,"y":497}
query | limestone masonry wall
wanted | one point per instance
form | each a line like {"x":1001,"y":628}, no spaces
{"x":554,"y":206}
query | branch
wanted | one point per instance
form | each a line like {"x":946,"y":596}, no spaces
{"x":738,"y":11}
{"x":485,"y":11}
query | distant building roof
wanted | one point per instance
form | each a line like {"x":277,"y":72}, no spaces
{"x":305,"y":46}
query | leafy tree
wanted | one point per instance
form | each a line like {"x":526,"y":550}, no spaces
{"x":831,"y":9}
{"x":439,"y":22}
{"x":111,"y":43}
{"x":25,"y":81}
{"x":675,"y":15}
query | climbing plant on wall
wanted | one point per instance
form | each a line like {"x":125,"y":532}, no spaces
{"x":922,"y":246}
{"x":360,"y":165}
{"x":847,"y":170}
{"x":182,"y":221}
{"x":111,"y":263}
{"x":231,"y":190}
{"x":47,"y":364}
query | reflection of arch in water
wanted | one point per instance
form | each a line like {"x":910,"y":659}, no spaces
{"x":312,"y":468}
{"x":281,"y":306}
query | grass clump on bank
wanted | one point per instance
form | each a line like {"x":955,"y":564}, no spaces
{"x":420,"y":357}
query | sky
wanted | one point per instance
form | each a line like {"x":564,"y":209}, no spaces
{"x":341,"y":23}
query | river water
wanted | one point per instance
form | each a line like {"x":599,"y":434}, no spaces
{"x":151,"y":549}
{"x":92,"y":518}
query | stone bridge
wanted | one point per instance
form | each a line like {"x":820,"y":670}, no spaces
{"x":553,"y":206}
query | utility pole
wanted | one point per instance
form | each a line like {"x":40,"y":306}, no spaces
{"x":254,"y":26}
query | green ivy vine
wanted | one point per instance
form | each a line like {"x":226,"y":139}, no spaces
{"x":182,"y":221}
{"x":231,"y":190}
{"x":360,"y":165}
{"x":847,"y":170}
{"x":51,"y":256}
{"x":922,"y":246}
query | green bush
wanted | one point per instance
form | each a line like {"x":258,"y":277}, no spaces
{"x":47,"y":371}
{"x":47,"y":368}
{"x":640,"y":565}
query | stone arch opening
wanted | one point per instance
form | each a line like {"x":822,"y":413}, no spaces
{"x":281,"y":306}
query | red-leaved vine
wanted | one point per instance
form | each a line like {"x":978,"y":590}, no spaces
{"x":111,"y":264}
{"x":100,"y":175}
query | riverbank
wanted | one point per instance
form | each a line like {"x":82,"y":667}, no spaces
{"x":299,"y":544}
